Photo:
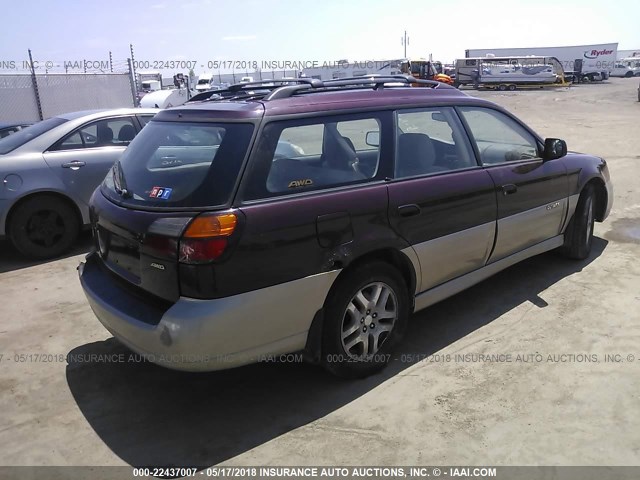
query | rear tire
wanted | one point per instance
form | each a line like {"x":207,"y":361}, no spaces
{"x":365,"y":317}
{"x":578,"y":237}
{"x":43,"y":227}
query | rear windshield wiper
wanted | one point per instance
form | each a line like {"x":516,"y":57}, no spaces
{"x":119,"y":182}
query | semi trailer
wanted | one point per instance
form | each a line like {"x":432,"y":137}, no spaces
{"x":579,"y":62}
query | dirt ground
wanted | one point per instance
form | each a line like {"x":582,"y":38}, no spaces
{"x":513,"y":371}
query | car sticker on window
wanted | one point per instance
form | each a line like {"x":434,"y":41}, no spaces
{"x":160,"y":192}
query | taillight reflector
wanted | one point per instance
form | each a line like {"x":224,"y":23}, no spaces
{"x":205,"y":239}
{"x":206,"y":226}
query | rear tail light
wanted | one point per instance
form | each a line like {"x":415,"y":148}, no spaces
{"x":206,"y":238}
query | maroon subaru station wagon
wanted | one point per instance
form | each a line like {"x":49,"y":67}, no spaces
{"x":280,"y":217}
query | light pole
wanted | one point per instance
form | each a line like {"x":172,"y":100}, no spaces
{"x":405,"y":41}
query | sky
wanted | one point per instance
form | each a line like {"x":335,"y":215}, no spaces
{"x":297,"y":30}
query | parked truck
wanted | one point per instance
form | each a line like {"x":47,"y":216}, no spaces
{"x":425,"y":70}
{"x":582,"y":63}
{"x":204,"y":82}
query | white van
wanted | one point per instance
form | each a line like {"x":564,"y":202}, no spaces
{"x":204,"y":82}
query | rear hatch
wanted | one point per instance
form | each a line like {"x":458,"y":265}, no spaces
{"x":163,"y":209}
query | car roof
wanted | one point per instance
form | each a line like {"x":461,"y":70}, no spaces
{"x":314,"y":96}
{"x":100,"y":112}
{"x":364,"y":99}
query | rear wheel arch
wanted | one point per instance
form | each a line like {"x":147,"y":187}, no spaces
{"x":390,"y":256}
{"x":393,"y":257}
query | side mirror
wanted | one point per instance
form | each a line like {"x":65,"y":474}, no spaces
{"x":373,"y":139}
{"x":554,"y":148}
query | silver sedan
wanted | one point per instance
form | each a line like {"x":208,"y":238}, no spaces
{"x":49,"y":171}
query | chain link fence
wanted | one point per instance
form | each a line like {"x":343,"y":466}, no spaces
{"x":58,"y":93}
{"x":17,"y":99}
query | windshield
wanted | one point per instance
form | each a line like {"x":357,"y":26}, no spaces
{"x":180,"y":164}
{"x":10,"y":143}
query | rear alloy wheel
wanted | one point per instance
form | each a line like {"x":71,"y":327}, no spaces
{"x":578,"y":237}
{"x":365,"y":318}
{"x":43,"y":227}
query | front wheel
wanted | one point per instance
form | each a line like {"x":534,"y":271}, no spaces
{"x":579,"y":234}
{"x":365,"y":317}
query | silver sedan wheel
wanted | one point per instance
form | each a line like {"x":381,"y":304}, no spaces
{"x":369,"y":319}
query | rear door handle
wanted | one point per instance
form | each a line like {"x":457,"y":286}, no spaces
{"x":409,"y":210}
{"x":76,"y":164}
{"x":509,"y":188}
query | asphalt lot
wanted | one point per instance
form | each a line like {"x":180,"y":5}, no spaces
{"x":567,"y":406}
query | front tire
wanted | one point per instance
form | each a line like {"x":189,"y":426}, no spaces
{"x":578,"y":237}
{"x":366,"y":315}
{"x":43,"y":227}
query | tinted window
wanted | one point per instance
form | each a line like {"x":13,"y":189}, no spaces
{"x":23,"y":136}
{"x":499,"y":138}
{"x":178,"y":164}
{"x":72,"y":141}
{"x":430,"y":140}
{"x":102,"y":133}
{"x":313,"y":156}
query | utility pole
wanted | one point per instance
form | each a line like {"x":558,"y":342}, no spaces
{"x":405,"y":41}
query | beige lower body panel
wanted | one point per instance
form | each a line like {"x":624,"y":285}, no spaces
{"x":531,"y":227}
{"x":459,"y":284}
{"x":444,"y":258}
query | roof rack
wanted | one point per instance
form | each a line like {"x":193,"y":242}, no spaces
{"x":268,"y":90}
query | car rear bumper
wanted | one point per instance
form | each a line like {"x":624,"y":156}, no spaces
{"x":203,"y":335}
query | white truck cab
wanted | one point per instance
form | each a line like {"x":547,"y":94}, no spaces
{"x":204,"y":82}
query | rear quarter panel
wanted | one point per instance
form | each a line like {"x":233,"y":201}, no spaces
{"x":24,"y":174}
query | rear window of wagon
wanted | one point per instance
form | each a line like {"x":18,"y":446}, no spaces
{"x":180,"y":164}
